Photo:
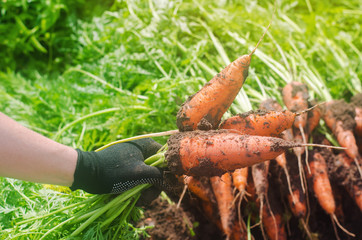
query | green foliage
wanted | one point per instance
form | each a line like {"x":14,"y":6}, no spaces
{"x":39,"y":34}
{"x":87,"y":73}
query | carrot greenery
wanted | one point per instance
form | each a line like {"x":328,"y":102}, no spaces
{"x":89,"y":74}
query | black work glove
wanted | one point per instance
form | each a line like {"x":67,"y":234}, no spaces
{"x":117,"y":168}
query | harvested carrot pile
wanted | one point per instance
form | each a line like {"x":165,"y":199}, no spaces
{"x":259,"y":174}
{"x":257,"y":177}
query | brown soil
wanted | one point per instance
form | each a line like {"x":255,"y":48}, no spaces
{"x":171,"y":223}
{"x":356,"y":100}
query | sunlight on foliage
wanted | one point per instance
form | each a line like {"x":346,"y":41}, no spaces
{"x":86,"y":74}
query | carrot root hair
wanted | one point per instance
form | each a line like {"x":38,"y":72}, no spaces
{"x":309,"y":109}
{"x":289,"y":184}
{"x":181,"y":197}
{"x":335,"y":219}
{"x":306,"y":149}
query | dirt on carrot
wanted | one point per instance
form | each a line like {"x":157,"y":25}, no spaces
{"x":344,"y":112}
{"x":356,"y":100}
{"x":214,"y":152}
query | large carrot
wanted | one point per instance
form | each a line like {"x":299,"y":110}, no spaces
{"x":214,"y":152}
{"x":339,"y":117}
{"x":205,"y":109}
{"x":322,"y":187}
{"x":222,"y":188}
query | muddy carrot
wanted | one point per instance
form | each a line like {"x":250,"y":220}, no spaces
{"x":201,"y":187}
{"x":313,"y":118}
{"x":295,"y":97}
{"x":222,"y":188}
{"x":260,"y":122}
{"x":211,"y":212}
{"x":214,"y":152}
{"x":287,"y":134}
{"x":344,"y":170}
{"x":297,"y":199}
{"x":260,"y":178}
{"x":272,"y":219}
{"x":205,"y":109}
{"x":322,"y":187}
{"x":339,"y":117}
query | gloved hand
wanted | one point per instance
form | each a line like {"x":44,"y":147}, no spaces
{"x":117,"y":168}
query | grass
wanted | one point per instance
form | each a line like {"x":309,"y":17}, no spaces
{"x":129,"y":68}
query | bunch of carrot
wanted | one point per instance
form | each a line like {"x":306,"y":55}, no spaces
{"x":225,"y":153}
{"x":241,"y":146}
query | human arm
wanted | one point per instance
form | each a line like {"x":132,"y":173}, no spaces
{"x":29,"y":156}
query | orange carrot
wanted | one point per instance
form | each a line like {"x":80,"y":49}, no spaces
{"x":211,"y":213}
{"x":273,"y":224}
{"x":201,"y":187}
{"x":322,"y":187}
{"x":338,"y":116}
{"x":260,"y":122}
{"x":297,"y":203}
{"x":295,"y":97}
{"x":287,"y":134}
{"x":222,"y":188}
{"x":240,"y":179}
{"x":238,"y":232}
{"x":297,"y":199}
{"x":313,"y":119}
{"x":260,"y":178}
{"x":214,"y":152}
{"x":205,"y":109}
{"x":263,"y":122}
{"x":272,"y":219}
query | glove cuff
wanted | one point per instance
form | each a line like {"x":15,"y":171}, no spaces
{"x":86,"y":175}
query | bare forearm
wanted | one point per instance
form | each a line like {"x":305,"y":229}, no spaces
{"x":27,"y":155}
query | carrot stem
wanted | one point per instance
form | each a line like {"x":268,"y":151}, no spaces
{"x":166,"y":133}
